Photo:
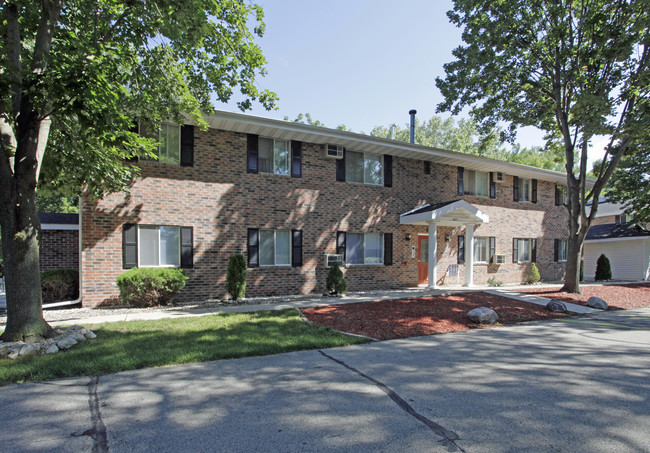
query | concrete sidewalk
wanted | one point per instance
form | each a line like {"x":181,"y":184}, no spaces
{"x":300,"y":302}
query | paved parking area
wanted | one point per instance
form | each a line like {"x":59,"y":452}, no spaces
{"x":577,"y":385}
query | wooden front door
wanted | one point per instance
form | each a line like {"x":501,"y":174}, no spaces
{"x":423,"y":260}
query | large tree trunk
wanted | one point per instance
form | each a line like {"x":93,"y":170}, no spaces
{"x":20,"y":239}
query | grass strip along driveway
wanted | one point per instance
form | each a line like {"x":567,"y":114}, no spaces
{"x":133,"y":345}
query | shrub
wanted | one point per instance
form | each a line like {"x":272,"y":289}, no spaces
{"x":151,"y":286}
{"x":336,"y":280}
{"x":494,"y":282}
{"x":59,"y":285}
{"x":533,"y":275}
{"x":236,"y":276}
{"x":603,"y":268}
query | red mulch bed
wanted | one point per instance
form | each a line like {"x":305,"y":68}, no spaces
{"x":619,"y":297}
{"x":385,"y":320}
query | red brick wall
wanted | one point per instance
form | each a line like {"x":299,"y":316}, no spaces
{"x":221,"y":201}
{"x":59,"y":249}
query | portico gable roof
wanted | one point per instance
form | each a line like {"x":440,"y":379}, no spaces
{"x":451,"y":213}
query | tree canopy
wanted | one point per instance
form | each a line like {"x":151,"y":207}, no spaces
{"x":76,"y":76}
{"x":572,"y":69}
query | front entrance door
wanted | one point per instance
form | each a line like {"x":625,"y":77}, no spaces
{"x":423,"y":260}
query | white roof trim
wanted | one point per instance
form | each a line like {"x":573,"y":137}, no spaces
{"x":630,"y":238}
{"x":416,"y":209}
{"x":457,"y":213}
{"x":290,"y":130}
{"x":59,"y":226}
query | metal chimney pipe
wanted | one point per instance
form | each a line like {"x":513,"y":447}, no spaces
{"x":412,"y":113}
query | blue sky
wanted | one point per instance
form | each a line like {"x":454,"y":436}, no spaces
{"x":361,"y":63}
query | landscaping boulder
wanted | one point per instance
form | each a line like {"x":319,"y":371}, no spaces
{"x":597,"y":302}
{"x":556,"y":306}
{"x":483,"y":315}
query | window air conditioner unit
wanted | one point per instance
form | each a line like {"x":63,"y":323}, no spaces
{"x":334,"y":151}
{"x":331,"y":259}
{"x":500,"y":259}
{"x":499,"y":177}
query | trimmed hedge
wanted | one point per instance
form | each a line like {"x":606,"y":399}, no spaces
{"x":150,"y":286}
{"x":336,"y":280}
{"x":236,"y":276}
{"x":59,"y":285}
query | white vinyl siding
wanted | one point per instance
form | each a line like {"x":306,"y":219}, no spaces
{"x":629,"y":258}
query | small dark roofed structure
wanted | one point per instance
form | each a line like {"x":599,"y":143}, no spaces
{"x":614,"y":230}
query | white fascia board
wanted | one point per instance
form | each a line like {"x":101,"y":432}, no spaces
{"x":633,"y":238}
{"x":59,"y":226}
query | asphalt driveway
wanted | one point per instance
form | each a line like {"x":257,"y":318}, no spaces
{"x":569,"y":385}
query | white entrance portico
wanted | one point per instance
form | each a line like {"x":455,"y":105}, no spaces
{"x":452,"y":213}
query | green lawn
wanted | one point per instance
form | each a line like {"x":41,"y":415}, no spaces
{"x":141,"y":344}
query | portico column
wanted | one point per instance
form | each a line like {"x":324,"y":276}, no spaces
{"x":469,"y":255}
{"x":433,"y":249}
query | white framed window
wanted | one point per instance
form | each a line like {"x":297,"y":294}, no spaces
{"x":365,"y":248}
{"x":159,"y":246}
{"x":525,"y":189}
{"x":273,"y":156}
{"x":523,"y":252}
{"x":476,"y":183}
{"x":275,"y":248}
{"x":168,"y":137}
{"x":364,"y":168}
{"x":481,"y":249}
{"x":562,"y":249}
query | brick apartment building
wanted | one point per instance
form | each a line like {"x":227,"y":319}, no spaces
{"x":291,"y":196}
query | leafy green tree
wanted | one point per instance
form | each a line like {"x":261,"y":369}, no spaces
{"x":630,"y":183}
{"x":75,"y":77}
{"x":572,"y":69}
{"x":603,"y":268}
{"x":53,"y":203}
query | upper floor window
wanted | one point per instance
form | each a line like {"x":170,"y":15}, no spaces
{"x":275,"y":247}
{"x":168,"y":137}
{"x":364,"y":168}
{"x":273,"y":156}
{"x":364,"y":248}
{"x":476,"y":183}
{"x":618,"y":219}
{"x":524,"y":189}
{"x":560,"y":195}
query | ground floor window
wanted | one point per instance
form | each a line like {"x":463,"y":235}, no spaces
{"x":364,"y":248}
{"x":481,"y":249}
{"x":159,"y":246}
{"x":524,"y":250}
{"x":275,"y":248}
{"x":561,"y":249}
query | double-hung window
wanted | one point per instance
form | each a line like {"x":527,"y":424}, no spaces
{"x":525,"y":189}
{"x":524,"y":250}
{"x":561,"y":249}
{"x":275,"y":248}
{"x":364,"y":168}
{"x":273,"y":156}
{"x":476,"y":183}
{"x":481,"y":249}
{"x":159,"y":246}
{"x":168,"y":136}
{"x":364,"y":248}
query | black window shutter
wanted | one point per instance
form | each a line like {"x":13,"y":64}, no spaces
{"x":296,"y":248}
{"x":556,"y":251}
{"x":129,"y":245}
{"x":187,"y":247}
{"x":388,"y":170}
{"x":296,"y":159}
{"x":461,"y":249}
{"x":461,"y":187}
{"x":187,"y":146}
{"x":515,"y":250}
{"x":533,"y":250}
{"x":253,"y":247}
{"x":388,"y":249}
{"x":252,"y":152}
{"x":340,"y":168}
{"x":427,"y":167}
{"x":534,"y":191}
{"x":340,"y":244}
{"x":557,"y":196}
{"x":515,"y":188}
{"x":493,"y":248}
{"x":493,"y":186}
